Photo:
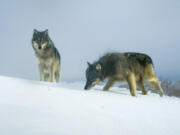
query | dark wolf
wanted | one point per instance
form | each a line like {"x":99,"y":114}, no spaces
{"x":134,"y":68}
{"x":48,"y":56}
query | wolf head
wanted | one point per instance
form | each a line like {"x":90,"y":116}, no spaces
{"x":93,"y":75}
{"x":41,"y":40}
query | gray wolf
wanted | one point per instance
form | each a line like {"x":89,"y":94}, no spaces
{"x":48,"y":56}
{"x":134,"y":68}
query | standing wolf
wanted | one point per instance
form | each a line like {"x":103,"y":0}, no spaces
{"x":135,"y":68}
{"x":48,"y":56}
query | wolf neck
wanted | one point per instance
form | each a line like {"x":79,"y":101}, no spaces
{"x":106,"y":70}
{"x":46,"y":53}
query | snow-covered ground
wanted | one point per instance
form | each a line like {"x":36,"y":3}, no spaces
{"x":37,"y":108}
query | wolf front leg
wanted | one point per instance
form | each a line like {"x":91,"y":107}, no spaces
{"x":57,"y":75}
{"x":108,"y":84}
{"x":132,"y":83}
{"x":47,"y":77}
{"x":41,"y":73}
{"x":53,"y":70}
{"x":51,"y":74}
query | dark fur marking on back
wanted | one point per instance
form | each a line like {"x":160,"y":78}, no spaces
{"x":143,"y":59}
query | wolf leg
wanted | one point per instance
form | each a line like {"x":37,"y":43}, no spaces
{"x":142,"y":87}
{"x":156,"y":84}
{"x":41,"y":76}
{"x":108,"y":84}
{"x":57,"y":76}
{"x":53,"y":70}
{"x":47,"y":77}
{"x":132,"y":84}
{"x":57,"y":73}
{"x":51,"y":73}
{"x":41,"y":73}
{"x":153,"y":80}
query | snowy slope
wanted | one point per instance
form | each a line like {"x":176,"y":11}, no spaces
{"x":36,"y":108}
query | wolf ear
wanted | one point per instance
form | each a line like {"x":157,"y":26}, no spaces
{"x":35,"y":31}
{"x":98,"y":67}
{"x":88,"y":64}
{"x":46,"y":31}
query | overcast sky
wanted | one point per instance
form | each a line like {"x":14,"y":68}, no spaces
{"x":83,"y":30}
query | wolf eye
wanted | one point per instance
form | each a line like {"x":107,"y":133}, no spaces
{"x":44,"y":45}
{"x":35,"y":43}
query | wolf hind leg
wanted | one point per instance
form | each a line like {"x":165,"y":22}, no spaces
{"x":140,"y":84}
{"x":108,"y":84}
{"x":132,"y":83}
{"x":152,"y":79}
{"x":156,"y":84}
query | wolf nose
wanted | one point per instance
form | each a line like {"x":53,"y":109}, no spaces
{"x":39,"y":47}
{"x":86,"y":87}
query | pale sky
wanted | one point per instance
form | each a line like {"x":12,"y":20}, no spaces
{"x":83,"y":30}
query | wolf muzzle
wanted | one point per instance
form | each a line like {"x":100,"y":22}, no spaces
{"x":86,"y":87}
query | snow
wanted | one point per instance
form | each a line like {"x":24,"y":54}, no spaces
{"x":39,"y":108}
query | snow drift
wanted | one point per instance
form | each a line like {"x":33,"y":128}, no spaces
{"x":37,"y":108}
